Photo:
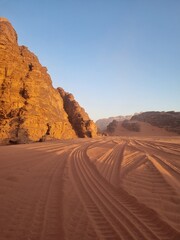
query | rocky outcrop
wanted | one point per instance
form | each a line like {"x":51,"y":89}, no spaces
{"x":30,"y":108}
{"x":111,"y":127}
{"x":79,"y":119}
{"x":104,"y":122}
{"x":129,"y":125}
{"x":167,"y":120}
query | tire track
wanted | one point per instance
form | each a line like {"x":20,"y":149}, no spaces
{"x":105,"y":201}
{"x":34,"y":211}
{"x":53,"y":190}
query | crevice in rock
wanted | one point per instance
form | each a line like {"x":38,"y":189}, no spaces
{"x":48,"y":129}
{"x":24,"y":93}
{"x":31,"y":67}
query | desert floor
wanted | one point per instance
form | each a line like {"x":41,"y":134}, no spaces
{"x":104,"y":188}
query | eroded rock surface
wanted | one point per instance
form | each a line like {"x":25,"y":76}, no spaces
{"x":30,"y":108}
{"x":83,"y":126}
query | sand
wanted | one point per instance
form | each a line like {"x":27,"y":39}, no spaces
{"x":146,"y":129}
{"x":86,"y":189}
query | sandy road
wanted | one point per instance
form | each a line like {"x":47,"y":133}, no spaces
{"x":106,"y":188}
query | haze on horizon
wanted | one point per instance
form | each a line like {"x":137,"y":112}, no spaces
{"x":116,"y":57}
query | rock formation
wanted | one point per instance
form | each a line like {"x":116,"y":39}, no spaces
{"x":116,"y":127}
{"x":79,"y":119}
{"x":167,"y":120}
{"x":30,"y":108}
{"x":103,"y":123}
{"x":111,"y":127}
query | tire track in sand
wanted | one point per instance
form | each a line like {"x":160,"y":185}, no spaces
{"x":114,"y":214}
{"x":34,"y":211}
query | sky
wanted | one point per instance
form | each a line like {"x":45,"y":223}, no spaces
{"x":117,"y":57}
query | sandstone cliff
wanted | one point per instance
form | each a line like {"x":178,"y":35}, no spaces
{"x":83,"y":126}
{"x":30,"y":108}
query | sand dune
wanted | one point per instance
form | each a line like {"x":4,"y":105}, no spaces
{"x":145,"y":129}
{"x":86,"y":189}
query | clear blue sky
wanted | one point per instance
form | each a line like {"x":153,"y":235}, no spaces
{"x":116,"y":56}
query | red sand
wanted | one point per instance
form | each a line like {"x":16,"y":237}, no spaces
{"x":105,"y":188}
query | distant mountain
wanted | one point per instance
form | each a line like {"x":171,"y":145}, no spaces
{"x":170,"y":121}
{"x":147,"y":124}
{"x":103,"y":123}
{"x":136,"y":129}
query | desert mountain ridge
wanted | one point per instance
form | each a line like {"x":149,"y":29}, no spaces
{"x":31,"y":109}
{"x":103,"y":122}
{"x":147,"y":123}
{"x":169,"y":121}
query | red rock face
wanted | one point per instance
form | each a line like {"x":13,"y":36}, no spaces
{"x":30,"y":108}
{"x":79,"y":119}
